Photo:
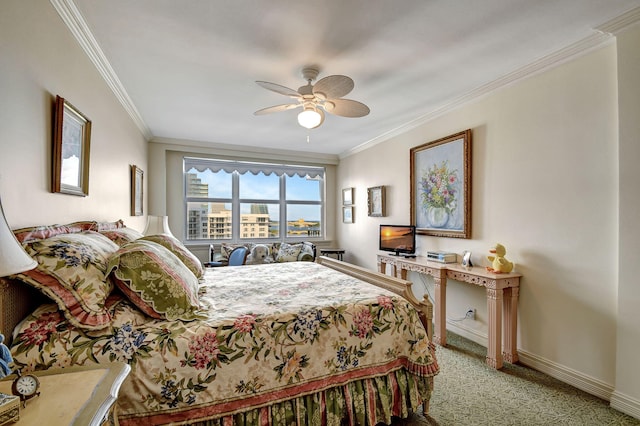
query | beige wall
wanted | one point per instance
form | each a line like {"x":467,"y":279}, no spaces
{"x":39,"y":59}
{"x":551,"y":181}
{"x":545,"y":184}
{"x":627,"y":395}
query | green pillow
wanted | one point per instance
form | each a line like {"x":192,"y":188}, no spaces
{"x":176,"y":247}
{"x":156,"y":281}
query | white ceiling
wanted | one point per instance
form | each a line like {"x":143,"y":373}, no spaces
{"x":187,"y":69}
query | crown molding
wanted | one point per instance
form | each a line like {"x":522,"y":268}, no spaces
{"x":73,"y":19}
{"x":617,"y":25}
{"x":588,"y":44}
{"x":604,"y":33}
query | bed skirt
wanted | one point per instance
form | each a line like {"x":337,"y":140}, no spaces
{"x":363,"y":402}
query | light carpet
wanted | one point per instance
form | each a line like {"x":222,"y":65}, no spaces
{"x":468,"y":392}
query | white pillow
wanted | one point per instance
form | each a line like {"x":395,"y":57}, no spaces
{"x":288,"y":252}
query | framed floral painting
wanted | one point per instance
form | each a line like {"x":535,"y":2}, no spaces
{"x":441,"y":186}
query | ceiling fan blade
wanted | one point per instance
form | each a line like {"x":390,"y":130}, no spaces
{"x":279,"y":89}
{"x":276,"y":108}
{"x":333,"y":86}
{"x":346,"y":108}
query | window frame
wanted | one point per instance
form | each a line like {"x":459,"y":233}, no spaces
{"x":237,"y":168}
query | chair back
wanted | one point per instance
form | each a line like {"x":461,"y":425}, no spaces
{"x":238,"y":256}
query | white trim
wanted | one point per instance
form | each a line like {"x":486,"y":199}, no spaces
{"x":468,"y":333}
{"x":603,"y":34}
{"x":625,"y":404}
{"x":567,"y":375}
{"x":559,"y":57}
{"x":617,"y":25}
{"x":73,"y":19}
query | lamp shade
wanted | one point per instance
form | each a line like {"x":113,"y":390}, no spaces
{"x":157,"y":225}
{"x":13,"y":258}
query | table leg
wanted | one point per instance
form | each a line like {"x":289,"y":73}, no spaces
{"x":440,"y":317}
{"x":494,"y":309}
{"x":510,"y":313}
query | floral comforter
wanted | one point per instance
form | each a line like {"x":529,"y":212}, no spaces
{"x":273,"y":335}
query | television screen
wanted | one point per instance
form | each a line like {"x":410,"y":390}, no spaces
{"x":400,"y":239}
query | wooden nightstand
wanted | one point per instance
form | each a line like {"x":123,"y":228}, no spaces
{"x":74,"y":396}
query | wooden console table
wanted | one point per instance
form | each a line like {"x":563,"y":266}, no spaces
{"x":502,"y":300}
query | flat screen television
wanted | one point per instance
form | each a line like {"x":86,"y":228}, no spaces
{"x":400,"y":239}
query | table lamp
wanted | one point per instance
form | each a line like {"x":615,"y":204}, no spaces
{"x":13,"y":258}
{"x":157,"y":225}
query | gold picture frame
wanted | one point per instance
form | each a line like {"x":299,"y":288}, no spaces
{"x":70,"y":151}
{"x":137,"y":191}
{"x":376,"y":202}
{"x":441,"y":186}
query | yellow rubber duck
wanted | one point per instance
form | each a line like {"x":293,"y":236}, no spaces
{"x":499,"y":264}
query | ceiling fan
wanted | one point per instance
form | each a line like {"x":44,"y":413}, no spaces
{"x":314,"y":99}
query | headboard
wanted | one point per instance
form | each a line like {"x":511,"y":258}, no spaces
{"x":17,"y":300}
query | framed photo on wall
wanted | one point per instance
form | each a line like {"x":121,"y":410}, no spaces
{"x":376,"y":201}
{"x":137,"y":191}
{"x":441,"y":186}
{"x":347,"y":214}
{"x":70,"y":151}
{"x":347,"y":197}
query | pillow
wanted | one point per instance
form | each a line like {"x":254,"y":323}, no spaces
{"x":306,"y":252}
{"x":226,"y":249}
{"x":288,"y":252}
{"x":72,"y":270}
{"x":176,"y":247}
{"x":155,"y":280}
{"x":25,"y":235}
{"x":108,"y":226}
{"x":122,"y":236}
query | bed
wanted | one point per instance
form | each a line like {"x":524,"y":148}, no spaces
{"x":324,"y":343}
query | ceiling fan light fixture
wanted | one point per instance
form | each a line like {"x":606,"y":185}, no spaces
{"x":310,"y":118}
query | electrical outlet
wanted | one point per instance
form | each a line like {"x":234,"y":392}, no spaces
{"x":471,"y":314}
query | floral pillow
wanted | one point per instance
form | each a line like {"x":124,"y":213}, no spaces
{"x":72,"y":271}
{"x":176,"y":247}
{"x":306,"y":252}
{"x":122,"y":236}
{"x":288,"y":252}
{"x":156,"y":281}
{"x":25,"y":235}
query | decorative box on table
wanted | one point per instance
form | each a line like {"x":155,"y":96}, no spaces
{"x":9,"y":408}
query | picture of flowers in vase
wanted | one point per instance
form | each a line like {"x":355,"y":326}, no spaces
{"x":441,"y":186}
{"x":438,"y":192}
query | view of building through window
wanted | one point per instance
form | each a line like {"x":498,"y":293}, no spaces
{"x":236,"y":203}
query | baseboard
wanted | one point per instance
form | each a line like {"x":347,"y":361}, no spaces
{"x":572,"y":377}
{"x":567,"y":375}
{"x":625,"y":404}
{"x":468,"y":333}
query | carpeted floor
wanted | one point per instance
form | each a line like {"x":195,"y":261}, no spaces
{"x":467,"y":392}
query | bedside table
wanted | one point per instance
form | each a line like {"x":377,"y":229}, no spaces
{"x":73,"y":396}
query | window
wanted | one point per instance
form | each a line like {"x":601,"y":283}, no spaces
{"x":232,"y":200}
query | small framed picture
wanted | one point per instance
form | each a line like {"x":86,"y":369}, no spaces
{"x":71,"y":140}
{"x":347,"y":214}
{"x":466,"y":259}
{"x":137,"y":197}
{"x":347,"y":197}
{"x":376,"y":201}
